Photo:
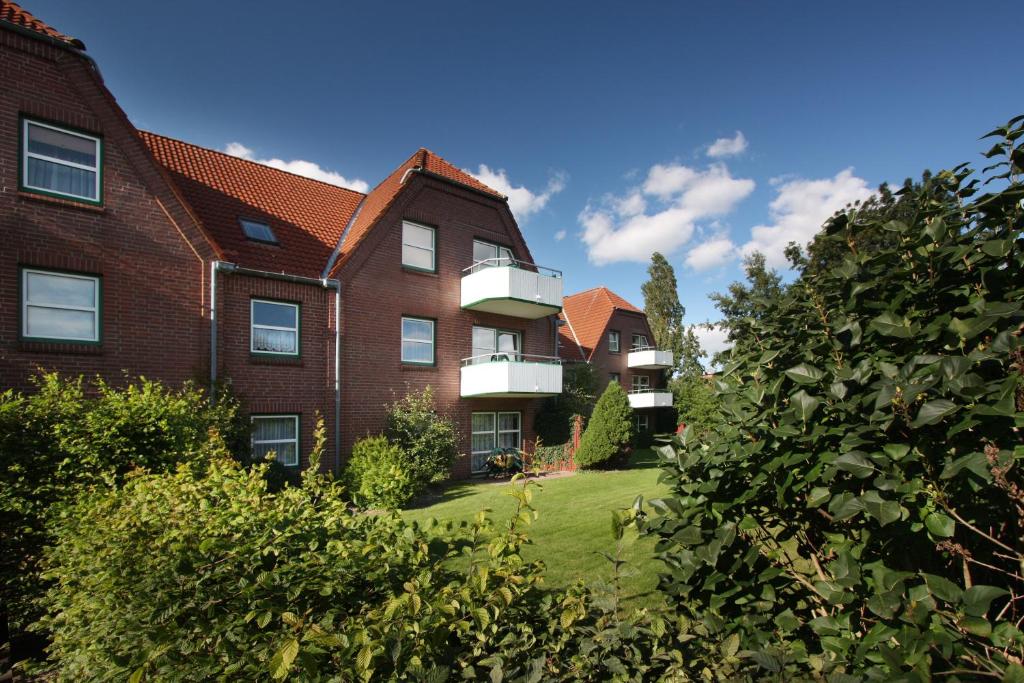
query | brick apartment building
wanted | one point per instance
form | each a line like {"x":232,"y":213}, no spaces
{"x":605,"y":330}
{"x":129,"y":253}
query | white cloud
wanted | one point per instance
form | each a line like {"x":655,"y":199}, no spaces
{"x":560,"y":235}
{"x":711,"y":253}
{"x":727,"y":147}
{"x":301,"y":167}
{"x":522,"y":201}
{"x":624,"y":229}
{"x":799,"y":211}
{"x":712,"y":338}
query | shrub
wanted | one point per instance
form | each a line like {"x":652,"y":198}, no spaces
{"x":696,"y":402}
{"x":549,"y":456}
{"x":858,"y":511}
{"x":378,"y":474}
{"x":554,"y":420}
{"x":67,"y":436}
{"x":429,"y":441}
{"x":609,"y":431}
{"x":187,"y":577}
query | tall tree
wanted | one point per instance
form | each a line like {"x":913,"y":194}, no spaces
{"x":745,"y":303}
{"x":665,"y":316}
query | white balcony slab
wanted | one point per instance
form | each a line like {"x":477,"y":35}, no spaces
{"x":512,"y":291}
{"x":650,"y":399}
{"x":511,"y":379}
{"x":649,"y":359}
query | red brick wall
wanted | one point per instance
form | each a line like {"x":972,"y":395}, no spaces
{"x":627,"y":324}
{"x":152,"y":279}
{"x":303,"y":385}
{"x":377,"y":292}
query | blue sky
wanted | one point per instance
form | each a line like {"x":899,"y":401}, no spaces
{"x":599,"y":119}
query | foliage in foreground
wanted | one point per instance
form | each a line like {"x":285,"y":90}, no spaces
{"x":378,"y":474}
{"x":200,"y":577}
{"x":609,"y":431}
{"x":860,"y":507}
{"x":429,"y":441}
{"x":68,"y":436}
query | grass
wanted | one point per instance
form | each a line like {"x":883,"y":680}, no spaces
{"x":574,"y":525}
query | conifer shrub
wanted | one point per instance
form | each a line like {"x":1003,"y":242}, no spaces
{"x":379,"y":474}
{"x":610,"y":430}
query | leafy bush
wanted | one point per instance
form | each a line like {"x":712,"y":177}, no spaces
{"x":429,"y":441}
{"x":68,"y":436}
{"x":554,"y":420}
{"x":696,"y":402}
{"x":609,"y":431}
{"x":188,"y":577}
{"x":378,"y":474}
{"x":549,"y":456}
{"x":860,"y":507}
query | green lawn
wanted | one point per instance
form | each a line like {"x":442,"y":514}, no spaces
{"x":574,"y":523}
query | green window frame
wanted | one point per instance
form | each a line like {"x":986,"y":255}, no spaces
{"x":50,"y":158}
{"x":412,"y":337}
{"x":614,"y":341}
{"x":261,"y":447}
{"x":261,"y":332}
{"x":34,"y":305}
{"x":415,"y":247}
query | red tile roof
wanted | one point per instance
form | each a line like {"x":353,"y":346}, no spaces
{"x":13,"y":14}
{"x":588,"y":314}
{"x":307,"y":216}
{"x":380,"y":198}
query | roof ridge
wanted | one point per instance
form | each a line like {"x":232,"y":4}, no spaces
{"x":254,"y":163}
{"x":16,"y":16}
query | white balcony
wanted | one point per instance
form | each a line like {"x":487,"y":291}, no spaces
{"x":513,"y":288}
{"x":650,"y":398}
{"x":649,"y":358}
{"x":510,"y":375}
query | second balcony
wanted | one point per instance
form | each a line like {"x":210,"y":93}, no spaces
{"x":648,"y":358}
{"x":510,"y":375}
{"x":510,"y":287}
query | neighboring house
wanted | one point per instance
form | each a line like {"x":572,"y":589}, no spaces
{"x":127,"y":252}
{"x":603,"y":329}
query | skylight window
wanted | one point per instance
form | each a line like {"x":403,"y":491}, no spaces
{"x":258,"y":232}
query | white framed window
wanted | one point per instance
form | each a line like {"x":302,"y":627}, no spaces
{"x":418,"y":341}
{"x":493,"y":430}
{"x":257,"y":231}
{"x":490,"y":344}
{"x":274,"y":327}
{"x":60,"y":162}
{"x":613,"y":341}
{"x":277,"y":433}
{"x":418,"y":246}
{"x":639,"y":341}
{"x":492,"y":254}
{"x":643,"y":423}
{"x":60,"y":306}
{"x":641,"y":382}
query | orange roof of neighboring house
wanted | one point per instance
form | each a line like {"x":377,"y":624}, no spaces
{"x":381,"y":197}
{"x":587,"y":314}
{"x":13,"y":14}
{"x":307,"y":216}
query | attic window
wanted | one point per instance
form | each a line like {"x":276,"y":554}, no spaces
{"x":258,"y":232}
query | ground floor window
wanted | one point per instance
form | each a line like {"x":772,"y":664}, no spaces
{"x":494,"y":430}
{"x":643,"y":423}
{"x":277,"y":433}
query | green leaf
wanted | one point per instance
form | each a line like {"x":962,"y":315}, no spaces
{"x":855,"y":463}
{"x":805,"y":404}
{"x":932,"y":412}
{"x":943,"y":588}
{"x":1014,"y":674}
{"x":805,"y":374}
{"x":936,"y":229}
{"x":818,"y":496}
{"x":940,"y":525}
{"x":978,"y":598}
{"x":283,"y":658}
{"x":891,"y":325}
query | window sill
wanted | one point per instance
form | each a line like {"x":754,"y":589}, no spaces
{"x":57,"y":201}
{"x":417,"y":366}
{"x":417,"y":271}
{"x":60,"y":348}
{"x":291,"y":361}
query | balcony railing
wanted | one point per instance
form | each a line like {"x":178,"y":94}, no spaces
{"x":650,"y":398}
{"x":648,"y":358}
{"x":510,"y":375}
{"x":511,"y":287}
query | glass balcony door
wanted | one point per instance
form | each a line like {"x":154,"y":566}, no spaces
{"x":491,"y":345}
{"x":487,"y":254}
